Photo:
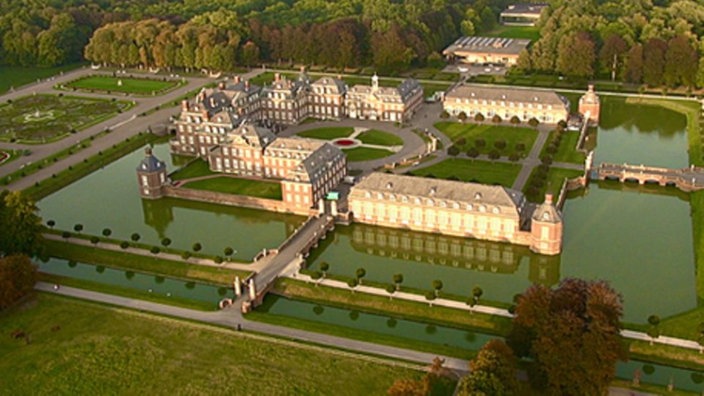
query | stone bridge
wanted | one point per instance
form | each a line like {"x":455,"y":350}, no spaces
{"x":287,"y":257}
{"x":686,"y":179}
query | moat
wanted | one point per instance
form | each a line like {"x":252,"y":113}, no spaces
{"x":638,"y":238}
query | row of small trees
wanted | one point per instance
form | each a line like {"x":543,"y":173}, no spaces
{"x":479,"y":117}
{"x":135,"y":238}
{"x":360,"y":273}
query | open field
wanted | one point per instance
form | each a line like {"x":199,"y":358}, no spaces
{"x":379,"y":138}
{"x":143,"y":86}
{"x":153,"y":265}
{"x":365,"y":154}
{"x":467,"y":135}
{"x":42,"y":118}
{"x":237,"y":186}
{"x":99,"y":349}
{"x":472,"y":171}
{"x":16,"y":76}
{"x":327,"y":133}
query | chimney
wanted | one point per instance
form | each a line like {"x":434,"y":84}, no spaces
{"x":237,"y":79}
{"x":277,"y":77}
{"x":590,"y":88}
{"x":246,"y":85}
{"x":548,"y":199}
{"x":221,"y":85}
{"x":184,"y":105}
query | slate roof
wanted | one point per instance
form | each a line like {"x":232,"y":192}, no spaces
{"x":150,"y":163}
{"x":516,"y":95}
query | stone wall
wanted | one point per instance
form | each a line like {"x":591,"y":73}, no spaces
{"x":244,"y":201}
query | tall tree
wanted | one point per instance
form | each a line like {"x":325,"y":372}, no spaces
{"x":611,"y":54}
{"x":680,"y":62}
{"x":20,"y":227}
{"x":572,"y":333}
{"x":633,"y":71}
{"x":654,"y":61}
{"x":17,"y":278}
{"x":491,"y":372}
{"x":576,"y":56}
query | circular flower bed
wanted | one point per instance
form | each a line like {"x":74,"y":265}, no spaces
{"x":345,"y":142}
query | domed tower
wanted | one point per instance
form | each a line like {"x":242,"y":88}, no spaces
{"x":589,"y":102}
{"x":151,"y":175}
{"x":546,"y":228}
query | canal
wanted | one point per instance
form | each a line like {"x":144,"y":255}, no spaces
{"x":109,"y":198}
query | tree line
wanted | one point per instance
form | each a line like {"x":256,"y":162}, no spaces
{"x":656,"y":43}
{"x":222,"y":35}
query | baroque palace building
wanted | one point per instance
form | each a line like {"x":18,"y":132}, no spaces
{"x":546,"y":107}
{"x":307,"y":168}
{"x":493,"y":213}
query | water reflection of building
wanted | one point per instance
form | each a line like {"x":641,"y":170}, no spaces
{"x":454,"y":252}
{"x":158,"y":215}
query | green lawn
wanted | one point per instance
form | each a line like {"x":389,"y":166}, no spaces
{"x":566,"y":150}
{"x":472,"y":171}
{"x":327,"y":133}
{"x":464,"y":135}
{"x":153,"y":265}
{"x":196,"y":168}
{"x":16,"y":76}
{"x":552,"y":184}
{"x":45,"y":118}
{"x":519,"y":32}
{"x":129,"y":85}
{"x":365,"y":154}
{"x":410,"y":310}
{"x":696,"y":202}
{"x":380,"y":138}
{"x":95,"y":349}
{"x":233,"y":185}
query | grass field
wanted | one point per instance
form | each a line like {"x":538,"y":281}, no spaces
{"x":472,"y":171}
{"x":519,"y":32}
{"x":196,"y":168}
{"x":465,"y":136}
{"x":380,"y":138}
{"x":365,"y":154}
{"x":44,"y":118}
{"x":103,"y":350}
{"x":327,"y":133}
{"x":566,"y":150}
{"x":16,"y":76}
{"x":128,"y":85}
{"x":233,"y":185}
{"x":153,"y":265}
{"x":552,"y":184}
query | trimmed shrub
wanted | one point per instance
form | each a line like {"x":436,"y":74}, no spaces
{"x":520,"y":147}
{"x":533,"y":122}
{"x":494,"y":154}
{"x":515,"y":120}
{"x":453,"y":151}
{"x":473,"y":153}
{"x":124,"y":244}
{"x":500,"y":144}
{"x":496,"y":118}
{"x":479,"y":142}
{"x":479,"y":117}
{"x":461,"y":141}
{"x":514,"y":157}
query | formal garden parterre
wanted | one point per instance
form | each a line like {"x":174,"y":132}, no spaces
{"x":123,"y":84}
{"x":43,"y":118}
